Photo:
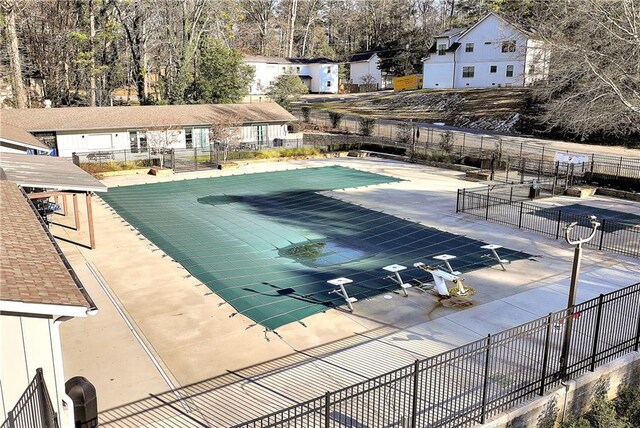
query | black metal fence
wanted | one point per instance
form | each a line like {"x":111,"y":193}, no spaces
{"x":535,"y":156}
{"x":181,"y":159}
{"x":612,"y":235}
{"x":468,"y":385}
{"x":34,"y":408}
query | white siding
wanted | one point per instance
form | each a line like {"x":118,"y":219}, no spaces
{"x":90,"y":141}
{"x":487,"y":39}
{"x":360,"y":69}
{"x":437,"y":76}
{"x":265,"y":73}
{"x":26,"y":344}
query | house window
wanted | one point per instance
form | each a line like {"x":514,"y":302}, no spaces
{"x":468,"y":71}
{"x":509,"y":46}
{"x":328,"y":70}
{"x":298,"y":70}
{"x":133,"y":141}
{"x":188,"y":138}
{"x":142,"y":140}
{"x":494,"y":69}
{"x":468,"y":47}
{"x":442,"y":49}
{"x":329,"y":84}
{"x":260,"y":134}
{"x":532,"y":69}
{"x":509,"y":70}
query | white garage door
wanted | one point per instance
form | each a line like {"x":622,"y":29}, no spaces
{"x":99,"y":141}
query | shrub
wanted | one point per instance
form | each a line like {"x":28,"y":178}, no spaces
{"x":627,"y":405}
{"x":446,"y":141}
{"x":366,"y":125}
{"x":306,"y":114}
{"x":335,"y":118}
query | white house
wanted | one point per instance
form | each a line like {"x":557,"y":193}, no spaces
{"x":91,"y":129}
{"x":491,"y":53}
{"x":319,"y":74}
{"x":38,"y":292}
{"x":364,"y":64}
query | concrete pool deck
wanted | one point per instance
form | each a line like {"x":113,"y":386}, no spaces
{"x":160,"y":327}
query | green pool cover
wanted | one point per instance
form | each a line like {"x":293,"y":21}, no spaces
{"x":267,"y":243}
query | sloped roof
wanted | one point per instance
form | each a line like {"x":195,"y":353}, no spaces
{"x":32,"y":269}
{"x":364,"y":56}
{"x":319,"y":60}
{"x":266,"y":59}
{"x":451,"y":32}
{"x":135,"y":117}
{"x":278,"y":60}
{"x":17,"y":135}
{"x":47,"y":172}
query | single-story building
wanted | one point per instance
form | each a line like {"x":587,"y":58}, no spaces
{"x":90,"y":129}
{"x":38,"y":291}
{"x":320,"y":75}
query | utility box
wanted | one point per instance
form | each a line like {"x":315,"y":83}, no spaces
{"x":407,"y":83}
{"x":85,"y":402}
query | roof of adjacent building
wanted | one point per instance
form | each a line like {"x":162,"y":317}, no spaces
{"x":266,"y":59}
{"x":16,"y":135}
{"x":319,"y":60}
{"x":135,"y":117}
{"x":452,"y":32}
{"x":47,"y":172}
{"x":279,"y":60}
{"x":32,"y":269}
{"x":364,"y":56}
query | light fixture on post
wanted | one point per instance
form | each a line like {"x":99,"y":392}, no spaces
{"x":573,"y":287}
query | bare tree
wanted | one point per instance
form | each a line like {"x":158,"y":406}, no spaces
{"x":224,"y":135}
{"x":161,"y":139}
{"x":9,"y":10}
{"x":594,"y":77}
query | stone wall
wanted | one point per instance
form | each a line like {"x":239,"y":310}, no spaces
{"x":574,"y":398}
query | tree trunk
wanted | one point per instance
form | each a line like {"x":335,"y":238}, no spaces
{"x":292,"y":26}
{"x":15,"y":64}
{"x":92,"y":66}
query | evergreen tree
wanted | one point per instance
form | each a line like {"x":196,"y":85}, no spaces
{"x":221,"y":76}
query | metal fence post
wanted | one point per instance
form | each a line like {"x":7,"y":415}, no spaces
{"x":596,"y":334}
{"x":327,"y":409}
{"x":414,"y":401}
{"x":520,"y":219}
{"x":601,"y":233}
{"x":637,"y":345}
{"x":545,"y":358}
{"x":458,"y":201}
{"x":11,"y":419}
{"x":464,"y":197}
{"x":485,"y":385}
{"x":195,"y":157}
{"x":558,"y":226}
{"x":487,"y":213}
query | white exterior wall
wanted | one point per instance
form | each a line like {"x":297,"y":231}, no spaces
{"x":536,"y":62}
{"x":88,"y":141}
{"x":359,"y":69}
{"x":105,"y":140}
{"x":487,"y":38}
{"x":269,"y":132}
{"x":266,"y":73}
{"x":26,"y":344}
{"x":437,"y":75}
